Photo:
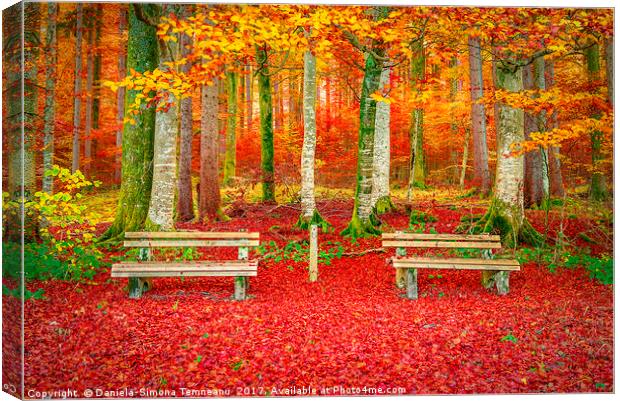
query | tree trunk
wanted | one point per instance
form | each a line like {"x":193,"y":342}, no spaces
{"x":465,"y":157}
{"x":231,"y":129}
{"x":248,"y":96}
{"x":609,"y":68}
{"x":161,"y":208}
{"x":209,"y":193}
{"x":20,"y":121}
{"x":50,"y":93}
{"x":380,"y":199}
{"x":120,"y":96}
{"x":362,"y":222}
{"x":97,"y":74}
{"x":417,"y":174}
{"x":185,"y":205}
{"x":532,"y":187}
{"x":506,"y":213}
{"x":541,"y":122}
{"x":598,"y":182}
{"x":77,"y":89}
{"x":482,"y":177}
{"x":88,"y":104}
{"x":137,"y":145}
{"x":266,"y":127}
{"x":556,"y":185}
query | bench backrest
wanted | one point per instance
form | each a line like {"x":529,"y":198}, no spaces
{"x":406,"y":240}
{"x":168,"y":239}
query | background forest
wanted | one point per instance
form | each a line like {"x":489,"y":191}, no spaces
{"x":360,"y":120}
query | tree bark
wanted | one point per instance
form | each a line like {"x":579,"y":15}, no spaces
{"x":609,"y":68}
{"x":209,"y":193}
{"x":541,"y":122}
{"x":598,"y":181}
{"x":308,"y":205}
{"x":380,"y":199}
{"x":266,"y":127}
{"x":77,"y":89}
{"x":482,"y":177}
{"x":417,"y":174}
{"x":230,"y":159}
{"x":88,"y":104}
{"x":248,"y":96}
{"x":161,"y":208}
{"x":50,"y":93}
{"x":138,"y":138}
{"x":556,"y":185}
{"x":185,"y":205}
{"x":464,"y":160}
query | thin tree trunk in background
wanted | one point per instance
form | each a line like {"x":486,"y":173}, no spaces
{"x":598,"y":182}
{"x":292,"y":93}
{"x":465,"y":157}
{"x":88,"y":104}
{"x":230,"y":160}
{"x":417,"y":174}
{"x":328,"y":102}
{"x":50,"y":93}
{"x":380,"y":198}
{"x":248,"y":96}
{"x":556,"y":185}
{"x":266,"y":128}
{"x":97,"y":75}
{"x":532,"y":186}
{"x":77,"y":89}
{"x":276,"y":104}
{"x":454,"y":129}
{"x":240,"y":101}
{"x":609,"y":68}
{"x":209,"y":195}
{"x":482,"y":176}
{"x":120,"y":96}
{"x":541,"y":123}
{"x":138,"y":138}
{"x":185,"y":205}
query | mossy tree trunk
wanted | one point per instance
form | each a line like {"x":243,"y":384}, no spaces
{"x":506,"y":212}
{"x":138,"y":138}
{"x":362,"y":222}
{"x":230,"y":159}
{"x":417,"y":175}
{"x":266,"y":126}
{"x":309,"y":213}
{"x":380,"y":199}
{"x":50,"y":93}
{"x":598,"y":181}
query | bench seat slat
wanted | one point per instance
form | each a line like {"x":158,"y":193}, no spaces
{"x":457,"y":264}
{"x":185,"y":273}
{"x":441,"y":244}
{"x":192,"y":235}
{"x":441,"y":237}
{"x":167,"y":243}
{"x":188,"y":264}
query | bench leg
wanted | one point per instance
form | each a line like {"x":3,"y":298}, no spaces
{"x":502,"y":282}
{"x":411,"y":279}
{"x":138,"y":286}
{"x":240,"y":287}
{"x":400,"y":278}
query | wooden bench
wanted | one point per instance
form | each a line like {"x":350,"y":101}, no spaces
{"x":140,"y":272}
{"x":407,"y":267}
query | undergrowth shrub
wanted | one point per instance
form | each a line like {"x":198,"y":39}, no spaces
{"x":66,"y":249}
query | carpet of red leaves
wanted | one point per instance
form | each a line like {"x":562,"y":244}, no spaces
{"x":352,"y":328}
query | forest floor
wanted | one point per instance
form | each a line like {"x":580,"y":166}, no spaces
{"x":350,"y":332}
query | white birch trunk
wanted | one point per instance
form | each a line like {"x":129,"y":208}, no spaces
{"x":381,"y":154}
{"x":509,"y":171}
{"x":308,"y":204}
